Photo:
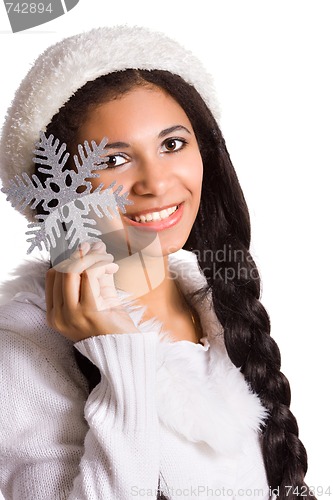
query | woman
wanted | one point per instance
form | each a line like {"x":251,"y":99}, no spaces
{"x":182,"y":394}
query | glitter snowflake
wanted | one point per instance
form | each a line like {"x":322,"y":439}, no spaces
{"x":66,"y":196}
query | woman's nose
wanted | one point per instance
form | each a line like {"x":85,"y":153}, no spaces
{"x":153,"y":177}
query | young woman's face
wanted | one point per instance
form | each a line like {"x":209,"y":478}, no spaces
{"x":154,"y":154}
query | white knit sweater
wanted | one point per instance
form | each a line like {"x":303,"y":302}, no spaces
{"x":175,"y":410}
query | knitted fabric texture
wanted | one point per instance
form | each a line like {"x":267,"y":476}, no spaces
{"x":66,"y":66}
{"x":175,"y":410}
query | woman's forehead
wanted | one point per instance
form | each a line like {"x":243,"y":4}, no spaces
{"x":141,"y":111}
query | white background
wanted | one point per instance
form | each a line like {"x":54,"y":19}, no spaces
{"x":272,"y":63}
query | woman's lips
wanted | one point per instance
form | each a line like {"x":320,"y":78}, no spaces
{"x":157,"y":225}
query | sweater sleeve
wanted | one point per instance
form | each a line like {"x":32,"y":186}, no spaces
{"x":121,"y":447}
{"x":57,"y":442}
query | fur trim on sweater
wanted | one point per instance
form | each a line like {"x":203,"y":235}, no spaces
{"x":28,"y":277}
{"x":195,"y":383}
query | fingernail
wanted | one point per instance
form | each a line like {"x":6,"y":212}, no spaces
{"x":82,"y":249}
{"x":84,"y":246}
{"x":97,"y":245}
{"x":114,"y":268}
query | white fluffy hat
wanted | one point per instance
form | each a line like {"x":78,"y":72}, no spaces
{"x":66,"y":66}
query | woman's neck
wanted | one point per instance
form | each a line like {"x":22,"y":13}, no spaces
{"x":148,"y":281}
{"x":151,"y":284}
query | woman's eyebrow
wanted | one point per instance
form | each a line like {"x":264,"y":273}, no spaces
{"x":116,"y":145}
{"x":163,"y":133}
{"x":169,"y":130}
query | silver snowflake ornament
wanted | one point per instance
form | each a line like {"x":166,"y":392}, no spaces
{"x":66,"y":196}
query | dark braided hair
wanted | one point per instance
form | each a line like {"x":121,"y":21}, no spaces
{"x":233,"y":280}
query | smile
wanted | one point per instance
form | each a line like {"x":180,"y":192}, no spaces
{"x":155,"y":216}
{"x":157,"y":220}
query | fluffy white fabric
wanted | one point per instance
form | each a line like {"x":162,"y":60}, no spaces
{"x":175,"y":409}
{"x":66,"y":66}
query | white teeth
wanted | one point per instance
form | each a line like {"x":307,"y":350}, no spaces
{"x":164,"y":214}
{"x":156,"y":216}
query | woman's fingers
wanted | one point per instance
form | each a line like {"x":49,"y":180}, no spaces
{"x":97,"y":285}
{"x":71,"y":284}
{"x":57,"y":292}
{"x":50,"y":277}
{"x":81,"y":296}
{"x":53,"y":296}
{"x":68,"y":284}
{"x":106,"y":282}
{"x":107,"y":287}
{"x":84,"y":263}
{"x":99,"y":247}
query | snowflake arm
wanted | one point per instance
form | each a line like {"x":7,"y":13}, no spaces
{"x":68,"y":209}
{"x":77,"y":225}
{"x":39,"y":235}
{"x":49,"y":153}
{"x":89,"y":156}
{"x":23,"y":191}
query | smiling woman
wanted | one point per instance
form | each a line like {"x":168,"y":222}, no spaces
{"x":154,"y":154}
{"x":149,"y":366}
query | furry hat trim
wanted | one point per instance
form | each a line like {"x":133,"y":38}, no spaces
{"x":66,"y":66}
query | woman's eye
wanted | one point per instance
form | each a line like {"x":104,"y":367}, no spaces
{"x":117,"y":160}
{"x":171,"y":145}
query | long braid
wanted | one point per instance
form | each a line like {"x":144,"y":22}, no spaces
{"x":249,"y":345}
{"x":235,"y":285}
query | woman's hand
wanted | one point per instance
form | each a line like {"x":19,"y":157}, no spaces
{"x":81,"y":298}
